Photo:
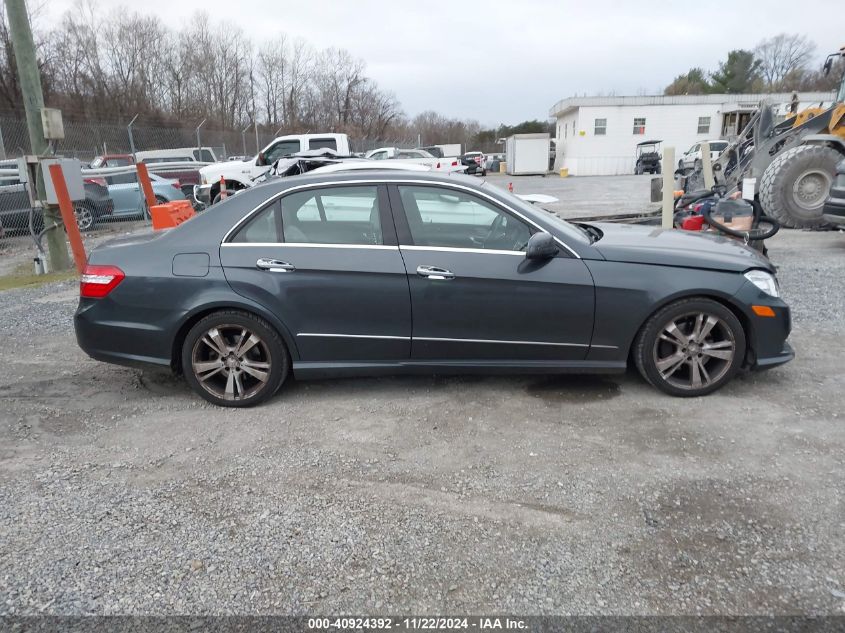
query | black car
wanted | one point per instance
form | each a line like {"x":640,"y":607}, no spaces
{"x":475,"y":163}
{"x":379,"y":272}
{"x":15,"y":208}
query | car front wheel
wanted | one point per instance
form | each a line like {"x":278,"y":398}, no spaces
{"x":234,"y":359}
{"x":691,"y":347}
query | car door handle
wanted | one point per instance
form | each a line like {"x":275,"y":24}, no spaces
{"x":433,"y":272}
{"x":274,"y":265}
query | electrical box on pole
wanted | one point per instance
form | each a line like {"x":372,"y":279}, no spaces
{"x":51,"y":121}
{"x":72,"y":172}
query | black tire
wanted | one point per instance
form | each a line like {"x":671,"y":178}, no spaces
{"x":223,"y":373}
{"x":85,"y":216}
{"x":814,"y":165}
{"x":652,"y":342}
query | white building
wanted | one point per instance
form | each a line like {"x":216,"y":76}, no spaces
{"x":598,"y":135}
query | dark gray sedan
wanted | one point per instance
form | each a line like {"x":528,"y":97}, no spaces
{"x":377,"y":272}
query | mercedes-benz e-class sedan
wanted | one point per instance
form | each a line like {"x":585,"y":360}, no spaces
{"x":382,"y":272}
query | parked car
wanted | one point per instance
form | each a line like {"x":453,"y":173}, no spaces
{"x":691,"y":159}
{"x":475,"y":162}
{"x":15,"y":208}
{"x":178,"y":155}
{"x":128,"y":200}
{"x":417,"y":157}
{"x":310,"y":275}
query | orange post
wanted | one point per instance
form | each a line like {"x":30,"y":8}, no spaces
{"x":146,"y":185}
{"x":68,"y":217}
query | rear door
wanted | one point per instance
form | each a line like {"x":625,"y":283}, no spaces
{"x":474,"y":296}
{"x":325,"y":260}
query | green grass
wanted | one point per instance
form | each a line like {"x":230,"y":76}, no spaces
{"x":22,"y":278}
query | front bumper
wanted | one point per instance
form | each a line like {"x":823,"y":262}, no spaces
{"x":202,"y":193}
{"x":767,"y":344}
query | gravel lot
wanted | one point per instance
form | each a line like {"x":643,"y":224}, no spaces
{"x":121,"y":492}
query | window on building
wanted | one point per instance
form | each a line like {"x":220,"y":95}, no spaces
{"x":601,"y":127}
{"x":704,"y":125}
{"x":639,"y":125}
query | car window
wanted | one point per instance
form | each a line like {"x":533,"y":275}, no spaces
{"x":379,"y":156}
{"x":321,"y":143}
{"x":204,"y":156}
{"x":122,"y":179}
{"x":718,"y":147}
{"x":282,"y":148}
{"x":333,"y":215}
{"x":263,"y":228}
{"x":449,"y":218}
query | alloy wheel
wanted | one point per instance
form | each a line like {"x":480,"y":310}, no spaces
{"x":84,"y":217}
{"x":231,"y":362}
{"x":694,"y":350}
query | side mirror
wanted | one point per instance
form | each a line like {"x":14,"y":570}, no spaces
{"x":260,"y":160}
{"x":541,"y":246}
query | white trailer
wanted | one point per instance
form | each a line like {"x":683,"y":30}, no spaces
{"x":527,"y":154}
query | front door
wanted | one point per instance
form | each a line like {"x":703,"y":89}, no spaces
{"x":474,"y":296}
{"x":325,"y":260}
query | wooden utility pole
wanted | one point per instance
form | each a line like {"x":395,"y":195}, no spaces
{"x":33,"y":101}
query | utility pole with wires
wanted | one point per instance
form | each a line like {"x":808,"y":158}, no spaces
{"x":33,"y":101}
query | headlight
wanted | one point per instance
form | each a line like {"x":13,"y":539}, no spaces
{"x":766,"y":282}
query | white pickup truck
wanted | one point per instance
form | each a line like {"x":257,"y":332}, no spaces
{"x":417,"y":157}
{"x":240,"y":174}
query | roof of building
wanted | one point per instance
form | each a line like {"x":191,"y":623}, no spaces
{"x":565,"y":105}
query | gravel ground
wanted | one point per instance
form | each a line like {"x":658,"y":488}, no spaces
{"x":123,"y":493}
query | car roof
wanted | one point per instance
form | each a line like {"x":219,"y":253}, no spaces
{"x":648,"y":143}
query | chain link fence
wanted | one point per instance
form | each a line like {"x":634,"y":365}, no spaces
{"x":85,"y":140}
{"x":114,"y":196}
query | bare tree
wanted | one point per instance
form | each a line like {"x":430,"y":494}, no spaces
{"x":783,"y":56}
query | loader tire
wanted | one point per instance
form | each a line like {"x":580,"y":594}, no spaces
{"x":794,"y":187}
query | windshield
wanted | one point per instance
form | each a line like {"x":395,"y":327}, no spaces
{"x":566,"y":228}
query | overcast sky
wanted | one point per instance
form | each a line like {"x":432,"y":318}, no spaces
{"x":504,"y":61}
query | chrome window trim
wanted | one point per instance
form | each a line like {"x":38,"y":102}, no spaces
{"x":380,"y":247}
{"x":450,"y":249}
{"x":409,"y":181}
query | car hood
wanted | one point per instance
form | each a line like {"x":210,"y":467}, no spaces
{"x":674,"y":247}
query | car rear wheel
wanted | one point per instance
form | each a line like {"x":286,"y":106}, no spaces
{"x":691,"y":347}
{"x":234,"y":359}
{"x":84,"y":215}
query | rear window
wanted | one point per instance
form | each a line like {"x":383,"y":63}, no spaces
{"x":264,"y":228}
{"x":204,"y":156}
{"x":321,"y":143}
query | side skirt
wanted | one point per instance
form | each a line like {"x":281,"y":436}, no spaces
{"x":309,"y":370}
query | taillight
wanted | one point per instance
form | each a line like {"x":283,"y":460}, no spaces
{"x":98,"y":281}
{"x":176,"y":184}
{"x":454,"y":163}
{"x":97,"y":181}
{"x":438,"y":165}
